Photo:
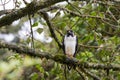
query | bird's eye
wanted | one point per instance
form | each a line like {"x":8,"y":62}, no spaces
{"x":69,"y":31}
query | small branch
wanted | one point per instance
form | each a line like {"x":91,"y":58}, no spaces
{"x":96,"y":47}
{"x":95,"y":77}
{"x":32,"y":44}
{"x":5,"y":3}
{"x":59,"y":58}
{"x":71,"y":12}
{"x":111,"y":25}
{"x":25,"y":2}
{"x":78,"y":14}
{"x":83,"y":76}
{"x":46,"y":17}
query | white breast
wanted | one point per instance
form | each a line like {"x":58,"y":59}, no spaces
{"x":70,"y":44}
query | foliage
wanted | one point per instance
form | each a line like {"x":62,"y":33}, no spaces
{"x":97,"y":25}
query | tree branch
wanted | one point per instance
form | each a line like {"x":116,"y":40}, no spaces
{"x":5,"y":11}
{"x":46,"y":17}
{"x":95,"y":77}
{"x":72,"y":13}
{"x":75,"y":13}
{"x":59,"y":58}
{"x":83,"y":76}
{"x":31,"y":8}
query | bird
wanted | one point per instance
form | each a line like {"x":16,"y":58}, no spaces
{"x":70,"y":44}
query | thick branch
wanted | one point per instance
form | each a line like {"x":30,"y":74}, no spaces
{"x":5,"y":11}
{"x":31,"y":8}
{"x":58,"y":58}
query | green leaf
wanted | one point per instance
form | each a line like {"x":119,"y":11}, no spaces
{"x":40,"y":68}
{"x":39,"y":30}
{"x":35,"y":24}
{"x":34,"y":76}
{"x":28,"y":40}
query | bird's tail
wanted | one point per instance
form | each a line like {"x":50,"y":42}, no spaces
{"x":69,"y":68}
{"x":66,"y":71}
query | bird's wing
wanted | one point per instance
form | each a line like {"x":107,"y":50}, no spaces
{"x":76,"y":47}
{"x":63,"y":45}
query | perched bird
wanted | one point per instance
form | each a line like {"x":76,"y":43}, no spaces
{"x":70,"y":43}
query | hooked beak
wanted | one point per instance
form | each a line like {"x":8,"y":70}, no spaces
{"x":70,"y":33}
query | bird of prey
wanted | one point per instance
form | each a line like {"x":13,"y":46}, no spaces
{"x":70,"y":43}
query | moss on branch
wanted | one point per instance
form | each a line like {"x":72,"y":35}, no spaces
{"x":58,"y":58}
{"x":31,"y":8}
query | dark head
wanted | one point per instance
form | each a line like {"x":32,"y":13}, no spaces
{"x":70,"y":33}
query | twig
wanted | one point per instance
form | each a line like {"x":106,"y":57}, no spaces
{"x":5,"y":3}
{"x":25,"y":2}
{"x":32,"y":44}
{"x":46,"y":17}
{"x":111,"y":25}
{"x":61,"y":34}
{"x":95,"y":77}
{"x":73,"y":13}
{"x":75,"y":23}
{"x":96,"y":47}
{"x":81,"y":74}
